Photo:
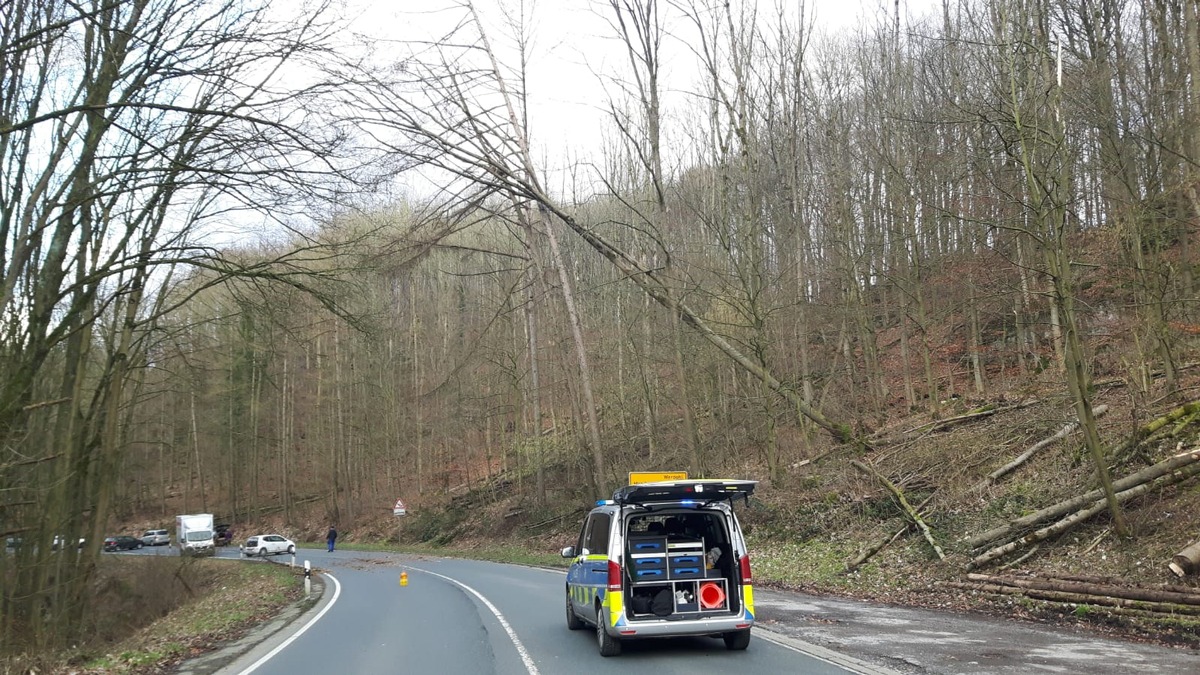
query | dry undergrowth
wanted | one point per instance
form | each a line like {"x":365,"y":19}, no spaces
{"x":153,"y":611}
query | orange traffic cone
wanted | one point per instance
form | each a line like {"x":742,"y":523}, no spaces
{"x":711,"y":595}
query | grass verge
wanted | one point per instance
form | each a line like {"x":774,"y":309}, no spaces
{"x":223,"y":601}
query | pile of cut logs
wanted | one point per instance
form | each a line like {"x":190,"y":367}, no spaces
{"x":1117,"y":595}
{"x":1058,"y":518}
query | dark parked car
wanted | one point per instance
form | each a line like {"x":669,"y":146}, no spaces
{"x":122,"y":543}
{"x":223,"y":535}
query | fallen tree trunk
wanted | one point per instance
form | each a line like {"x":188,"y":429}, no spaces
{"x":930,"y":426}
{"x":1039,"y":535}
{"x":912,"y":513}
{"x":1079,"y":516}
{"x":876,"y":548}
{"x":884,"y":542}
{"x":1183,"y":423}
{"x":1117,"y":581}
{"x":1024,"y":456}
{"x":1186,"y":561}
{"x":556,"y":519}
{"x":1087,"y":588}
{"x":1027,"y":555}
{"x":1149,"y":473}
{"x":1146,"y":431}
{"x":984,"y":411}
{"x":1078,"y":598}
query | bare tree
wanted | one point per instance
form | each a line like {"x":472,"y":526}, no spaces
{"x":641,"y":28}
{"x":1031,"y":63}
{"x":125,"y":126}
{"x":441,"y":110}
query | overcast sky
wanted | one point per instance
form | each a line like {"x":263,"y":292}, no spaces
{"x":574,"y":44}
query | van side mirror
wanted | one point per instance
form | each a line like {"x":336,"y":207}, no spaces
{"x":568,"y":552}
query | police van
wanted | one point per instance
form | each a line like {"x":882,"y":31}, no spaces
{"x":663,"y":558}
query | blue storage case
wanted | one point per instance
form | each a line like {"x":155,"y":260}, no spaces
{"x":649,"y":561}
{"x":686,"y":572}
{"x":647,"y":545}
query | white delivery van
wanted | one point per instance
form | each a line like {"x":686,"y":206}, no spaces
{"x":195,"y":534}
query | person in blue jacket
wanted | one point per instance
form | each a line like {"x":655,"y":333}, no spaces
{"x":331,"y":538}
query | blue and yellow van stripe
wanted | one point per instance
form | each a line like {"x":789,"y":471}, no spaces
{"x":586,"y":594}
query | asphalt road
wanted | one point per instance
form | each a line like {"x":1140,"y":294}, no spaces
{"x":464,"y":616}
{"x":461,"y":616}
{"x":909,"y":640}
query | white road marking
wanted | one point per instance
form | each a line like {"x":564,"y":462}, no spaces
{"x":822,"y":654}
{"x":512,"y":635}
{"x":337,"y":590}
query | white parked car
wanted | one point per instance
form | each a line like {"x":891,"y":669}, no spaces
{"x":267,"y":544}
{"x":59,"y":542}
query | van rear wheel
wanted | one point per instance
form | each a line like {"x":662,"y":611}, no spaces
{"x":573,"y":620}
{"x":609,"y":645}
{"x":737,"y":640}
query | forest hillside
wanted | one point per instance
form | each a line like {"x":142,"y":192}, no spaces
{"x":932,"y":282}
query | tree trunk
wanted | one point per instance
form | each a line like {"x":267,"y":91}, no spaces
{"x":1081,"y":516}
{"x":912,"y":513}
{"x":591,"y":419}
{"x":530,"y":175}
{"x":885,"y":541}
{"x":1024,"y":456}
{"x":1077,"y":598}
{"x":1163,"y":468}
{"x":977,"y":366}
{"x":649,"y":383}
{"x":534,"y":388}
{"x":1186,"y":561}
{"x":1091,"y":588}
{"x":691,"y":435}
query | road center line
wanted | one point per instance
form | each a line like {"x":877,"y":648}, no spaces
{"x":512,"y":635}
{"x":337,"y":590}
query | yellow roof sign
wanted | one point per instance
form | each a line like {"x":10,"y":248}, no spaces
{"x":639,"y":477}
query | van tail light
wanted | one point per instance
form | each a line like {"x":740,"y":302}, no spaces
{"x":744,"y":567}
{"x":614,"y":576}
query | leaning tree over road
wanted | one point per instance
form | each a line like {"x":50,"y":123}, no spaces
{"x":448,"y":105}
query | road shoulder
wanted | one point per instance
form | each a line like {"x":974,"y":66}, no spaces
{"x":236,"y":655}
{"x":915,"y":640}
